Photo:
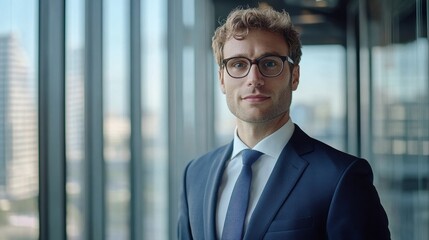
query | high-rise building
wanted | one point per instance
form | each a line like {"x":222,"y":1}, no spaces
{"x":18,"y":123}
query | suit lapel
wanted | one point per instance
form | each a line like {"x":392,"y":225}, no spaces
{"x":210,"y":195}
{"x":285,"y":175}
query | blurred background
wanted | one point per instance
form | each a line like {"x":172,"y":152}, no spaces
{"x":102,"y":104}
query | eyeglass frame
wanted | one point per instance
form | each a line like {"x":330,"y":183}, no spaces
{"x":256,"y":61}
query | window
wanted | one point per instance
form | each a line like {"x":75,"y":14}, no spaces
{"x":318,"y":105}
{"x":18,"y":120}
{"x":399,"y":115}
{"x":75,"y":117}
{"x":154,"y":120}
{"x":116,"y":117}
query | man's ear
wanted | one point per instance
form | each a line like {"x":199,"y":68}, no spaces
{"x":221,"y":80}
{"x":295,"y":77}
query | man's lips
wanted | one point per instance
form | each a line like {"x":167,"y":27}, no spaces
{"x":255,"y":98}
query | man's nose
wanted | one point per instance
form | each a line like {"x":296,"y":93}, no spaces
{"x":255,"y":77}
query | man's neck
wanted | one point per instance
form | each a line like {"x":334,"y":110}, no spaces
{"x":252,"y":133}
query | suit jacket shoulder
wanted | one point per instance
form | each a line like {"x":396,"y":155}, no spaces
{"x":203,"y":164}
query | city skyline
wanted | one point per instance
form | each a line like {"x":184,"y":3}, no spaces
{"x":19,"y":127}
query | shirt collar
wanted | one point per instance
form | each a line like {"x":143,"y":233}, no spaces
{"x":271,"y":145}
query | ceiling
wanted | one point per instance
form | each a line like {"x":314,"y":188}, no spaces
{"x":318,"y":21}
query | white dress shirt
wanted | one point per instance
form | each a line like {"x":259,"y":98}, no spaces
{"x":271,"y":147}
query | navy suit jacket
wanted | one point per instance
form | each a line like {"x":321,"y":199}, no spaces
{"x":314,"y":192}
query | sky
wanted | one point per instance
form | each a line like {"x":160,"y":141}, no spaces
{"x":20,"y":17}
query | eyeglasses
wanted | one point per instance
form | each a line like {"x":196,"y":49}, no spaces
{"x":269,"y":66}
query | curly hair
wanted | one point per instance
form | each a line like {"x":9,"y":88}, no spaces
{"x":240,"y":21}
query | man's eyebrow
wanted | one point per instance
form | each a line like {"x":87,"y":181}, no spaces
{"x":271,"y":54}
{"x":238,"y":55}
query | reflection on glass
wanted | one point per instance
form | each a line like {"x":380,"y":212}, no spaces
{"x":116,"y":117}
{"x":154,"y":119}
{"x":18,"y":120}
{"x":401,"y":135}
{"x":75,"y":114}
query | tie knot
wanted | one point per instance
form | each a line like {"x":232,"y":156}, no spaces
{"x":250,"y":156}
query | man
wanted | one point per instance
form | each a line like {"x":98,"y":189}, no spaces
{"x":298,"y":187}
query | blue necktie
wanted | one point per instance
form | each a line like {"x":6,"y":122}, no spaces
{"x":237,"y":208}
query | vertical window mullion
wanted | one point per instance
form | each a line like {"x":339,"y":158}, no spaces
{"x":52,"y":120}
{"x":95,"y":167}
{"x":175,"y":102}
{"x":136,"y":201}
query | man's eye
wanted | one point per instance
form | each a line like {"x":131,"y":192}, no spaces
{"x":270,"y":64}
{"x":238,"y":64}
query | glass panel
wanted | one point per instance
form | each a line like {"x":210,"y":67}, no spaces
{"x":154,"y":122}
{"x":116,"y":117}
{"x":75,"y":114}
{"x":318,"y":105}
{"x":400,"y":134}
{"x":19,"y":217}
